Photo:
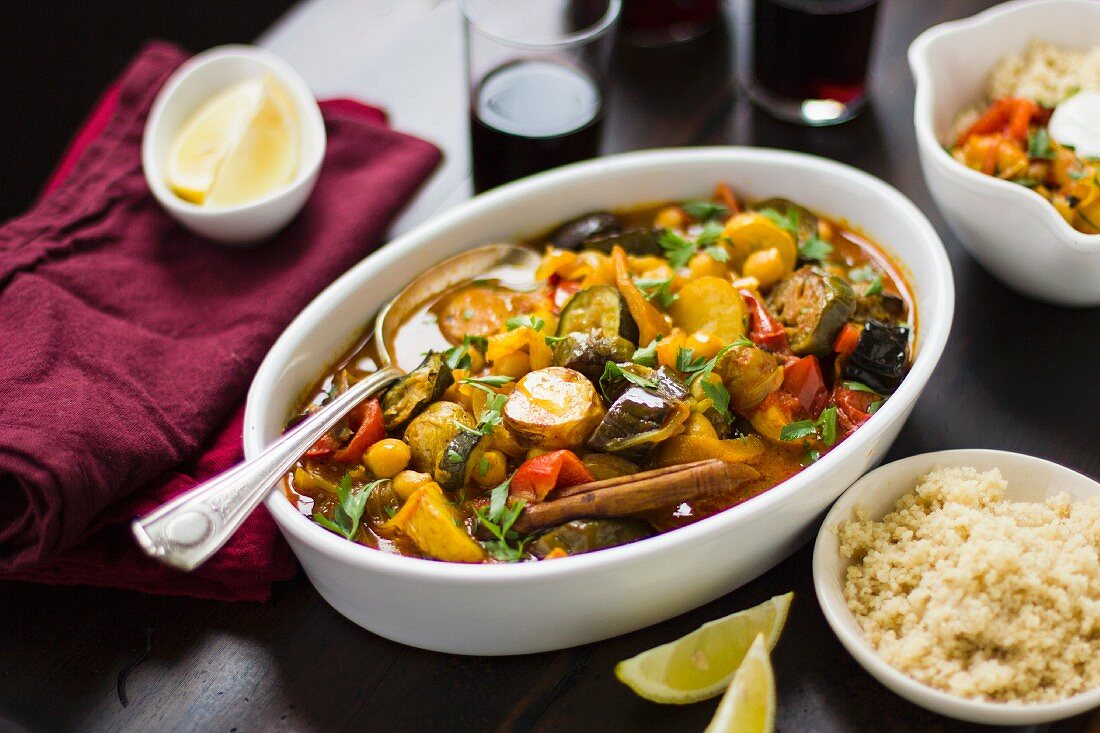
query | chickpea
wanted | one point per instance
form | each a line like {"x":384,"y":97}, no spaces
{"x":408,"y":481}
{"x":766,"y":265}
{"x":388,"y":457}
{"x":670,"y":217}
{"x":491,"y":469}
{"x":702,"y":264}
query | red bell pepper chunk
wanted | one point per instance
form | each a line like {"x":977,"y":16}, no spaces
{"x":764,"y":330}
{"x":537,"y":477}
{"x":326,"y":446}
{"x":852,"y":407}
{"x":847,"y":339}
{"x":371,"y":430}
{"x":803,"y":380}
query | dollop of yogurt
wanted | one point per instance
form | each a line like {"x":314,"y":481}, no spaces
{"x":1076,"y":123}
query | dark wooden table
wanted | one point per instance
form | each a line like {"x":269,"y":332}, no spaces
{"x":1016,"y":375}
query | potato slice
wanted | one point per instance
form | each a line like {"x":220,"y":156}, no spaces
{"x":712,"y":306}
{"x":553,"y":408}
{"x":432,"y":523}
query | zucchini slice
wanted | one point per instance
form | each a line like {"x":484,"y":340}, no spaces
{"x":599,"y":309}
{"x":812,"y":305}
{"x":412,"y":394}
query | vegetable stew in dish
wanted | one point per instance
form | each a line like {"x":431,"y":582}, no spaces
{"x":759,"y":335}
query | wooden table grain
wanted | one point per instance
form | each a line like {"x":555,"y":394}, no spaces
{"x":1016,"y":375}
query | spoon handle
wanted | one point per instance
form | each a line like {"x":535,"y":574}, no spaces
{"x":186,"y":531}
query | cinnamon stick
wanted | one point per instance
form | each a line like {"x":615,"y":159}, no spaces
{"x":640,"y":492}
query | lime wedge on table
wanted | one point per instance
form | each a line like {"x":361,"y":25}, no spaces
{"x":749,"y":704}
{"x":700,"y":665}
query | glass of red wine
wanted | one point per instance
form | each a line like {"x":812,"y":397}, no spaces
{"x":538,"y":74}
{"x":805,"y":61}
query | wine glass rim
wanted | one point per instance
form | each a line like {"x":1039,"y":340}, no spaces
{"x":597,"y":29}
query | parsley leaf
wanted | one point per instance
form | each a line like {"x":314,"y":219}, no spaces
{"x":862,"y":274}
{"x":687,"y":362}
{"x":498,"y":498}
{"x":719,"y":396}
{"x":717,"y":253}
{"x":1038,"y":144}
{"x":796,"y":430}
{"x":858,"y":386}
{"x":453,"y":456}
{"x":875,"y":287}
{"x":490,"y":381}
{"x":824,"y":428}
{"x":677,"y":249}
{"x":347,"y":514}
{"x":458,"y":357}
{"x":705,"y":210}
{"x":533,"y":322}
{"x":658,"y":290}
{"x":710,"y":234}
{"x":815,"y":249}
{"x":611,"y":371}
{"x":647,"y":355}
{"x":498,"y":520}
{"x":790,"y":222}
{"x":553,"y":341}
{"x":483,"y":466}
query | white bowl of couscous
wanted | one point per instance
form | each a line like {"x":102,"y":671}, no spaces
{"x":968,"y":582}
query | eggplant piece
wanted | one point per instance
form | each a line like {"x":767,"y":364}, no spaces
{"x":604,"y":466}
{"x":572,"y":234}
{"x":412,"y":394}
{"x":812,"y":305}
{"x":664,"y":380}
{"x":586,"y":535}
{"x":553,"y":408}
{"x":807,"y":220}
{"x":750,"y":374}
{"x":588,"y":353}
{"x":636,"y":241}
{"x":599,"y":309}
{"x":880,"y":359}
{"x":882,"y":307}
{"x":430,"y":432}
{"x":458,"y":459}
{"x":639,"y":419}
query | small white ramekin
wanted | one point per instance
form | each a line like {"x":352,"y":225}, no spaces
{"x":193,"y":83}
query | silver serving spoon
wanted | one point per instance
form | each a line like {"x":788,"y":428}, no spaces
{"x":186,"y":531}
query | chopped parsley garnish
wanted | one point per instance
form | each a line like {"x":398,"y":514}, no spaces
{"x":533,"y":322}
{"x":858,"y":386}
{"x":611,"y":371}
{"x":824,"y":428}
{"x":498,"y":519}
{"x":791,"y":222}
{"x":706,"y":210}
{"x":719,"y":396}
{"x":875,"y":287}
{"x":677,"y":249}
{"x":492,"y":415}
{"x":483,"y":466}
{"x":349,"y":511}
{"x":453,"y":456}
{"x":862,"y":274}
{"x":492,"y":380}
{"x":647,"y":355}
{"x":658,"y":290}
{"x":553,"y":341}
{"x":458,"y":357}
{"x":1038,"y":144}
{"x":815,"y":249}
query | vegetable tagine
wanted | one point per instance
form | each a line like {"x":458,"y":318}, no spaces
{"x":1010,"y":140}
{"x":760,"y":336}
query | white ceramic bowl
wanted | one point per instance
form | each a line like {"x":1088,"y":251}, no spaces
{"x":1029,"y":479}
{"x":513,"y":609}
{"x":192,"y":84}
{"x":1012,"y":231}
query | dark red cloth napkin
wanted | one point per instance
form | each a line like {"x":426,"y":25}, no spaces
{"x":127,"y":343}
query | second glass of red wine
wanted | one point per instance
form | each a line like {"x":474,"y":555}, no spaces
{"x":805,"y":61}
{"x":538,"y":74}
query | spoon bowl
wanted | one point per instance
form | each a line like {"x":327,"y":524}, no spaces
{"x":186,"y":531}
